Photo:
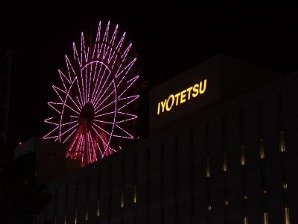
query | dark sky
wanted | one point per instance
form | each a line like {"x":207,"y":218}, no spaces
{"x":168,"y":39}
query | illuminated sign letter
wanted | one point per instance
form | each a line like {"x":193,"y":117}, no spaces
{"x":182,"y":98}
{"x":204,"y":89}
{"x":171,"y":98}
{"x":195,"y":90}
{"x":188,"y":92}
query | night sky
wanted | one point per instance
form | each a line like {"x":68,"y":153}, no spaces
{"x":168,"y":40}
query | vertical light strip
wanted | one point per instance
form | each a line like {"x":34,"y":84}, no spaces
{"x":225,"y":169}
{"x":176,"y":181}
{"x":286,"y":216}
{"x":76,"y":202}
{"x":122,"y":191}
{"x":162,"y":182}
{"x":282,"y":150}
{"x":135,"y":189}
{"x":208,"y":174}
{"x":262,"y":163}
{"x":135,"y":180}
{"x":243,"y":166}
{"x":87,"y":199}
{"x":135,"y":195}
{"x":192,"y":176}
{"x":65,"y":203}
{"x":148,"y":185}
{"x":55,"y":206}
{"x":110,"y":194}
{"x":98,"y":193}
{"x":265,"y":218}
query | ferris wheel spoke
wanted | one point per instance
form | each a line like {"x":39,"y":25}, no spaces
{"x":126,"y":51}
{"x":98,"y":86}
{"x":78,"y":107}
{"x":70,"y":70}
{"x":125,"y":103}
{"x":85,"y":78}
{"x":80,"y":92}
{"x":93,"y":149}
{"x":83,"y":87}
{"x":101,"y":87}
{"x":76,"y":54}
{"x":128,"y":117}
{"x":96,"y":107}
{"x":48,"y":135}
{"x":69,"y":135}
{"x":68,"y":130}
{"x":96,"y":77}
{"x":58,"y":91}
{"x":101,"y":151}
{"x":102,"y":129}
{"x":64,"y":79}
{"x":68,"y":123}
{"x":117,"y":50}
{"x":49,"y":121}
{"x":97,"y":40}
{"x":129,"y":84}
{"x":90,"y":82}
{"x":72,"y":109}
{"x":55,"y":106}
{"x":128,"y":135}
{"x":103,"y":114}
{"x":99,"y":102}
{"x":103,"y":122}
{"x":105,"y":40}
{"x":84,"y":51}
{"x":124,"y":71}
{"x":79,"y":102}
{"x":103,"y":141}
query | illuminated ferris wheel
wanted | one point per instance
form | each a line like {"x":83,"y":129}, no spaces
{"x":94,"y":110}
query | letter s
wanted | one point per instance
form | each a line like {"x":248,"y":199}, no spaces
{"x":195,"y":90}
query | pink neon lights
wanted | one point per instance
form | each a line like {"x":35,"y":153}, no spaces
{"x":93,"y":110}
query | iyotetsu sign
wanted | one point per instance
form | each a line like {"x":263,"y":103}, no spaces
{"x":177,"y":99}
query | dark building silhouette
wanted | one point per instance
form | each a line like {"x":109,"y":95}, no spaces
{"x":223,"y":151}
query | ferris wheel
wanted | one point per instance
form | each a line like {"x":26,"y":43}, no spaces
{"x":94,"y":110}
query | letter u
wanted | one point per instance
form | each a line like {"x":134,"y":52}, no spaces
{"x":203,"y":89}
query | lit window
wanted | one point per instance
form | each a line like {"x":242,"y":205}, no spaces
{"x":287,"y":216}
{"x":86,"y":214}
{"x":135,"y":195}
{"x":98,"y":209}
{"x":209,"y":207}
{"x":208,"y":169}
{"x":265,"y":217}
{"x":242,"y":156}
{"x":262,"y":151}
{"x":225,"y":162}
{"x":122,"y":200}
{"x":76,"y":217}
{"x":282,"y":146}
{"x":245,"y":220}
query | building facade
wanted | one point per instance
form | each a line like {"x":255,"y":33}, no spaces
{"x":228,"y":156}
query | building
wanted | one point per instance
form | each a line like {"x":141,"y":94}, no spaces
{"x":221,"y":149}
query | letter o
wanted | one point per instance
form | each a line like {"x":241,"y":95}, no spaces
{"x":172,"y":99}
